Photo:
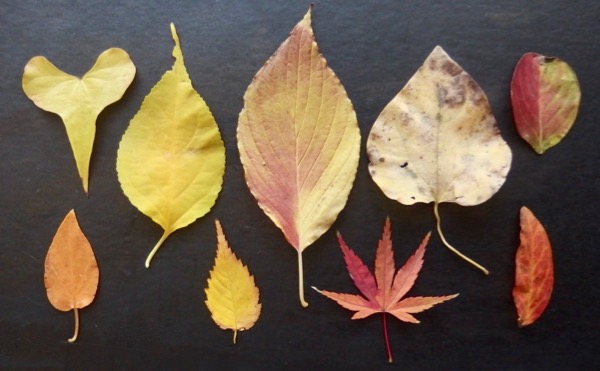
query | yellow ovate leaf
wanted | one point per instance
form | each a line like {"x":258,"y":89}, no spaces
{"x":437,"y":141}
{"x":79,"y":101}
{"x":71,"y":272}
{"x":171,"y":159}
{"x":299,"y":141}
{"x":231,"y":296}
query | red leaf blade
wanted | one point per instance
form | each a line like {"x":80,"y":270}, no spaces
{"x":357,"y":303}
{"x":419,"y":303}
{"x":384,"y":266}
{"x":545,"y":98}
{"x":534,"y":277}
{"x":407,"y":275}
{"x":360,"y":274}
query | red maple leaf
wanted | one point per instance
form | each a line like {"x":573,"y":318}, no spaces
{"x":384,"y":292}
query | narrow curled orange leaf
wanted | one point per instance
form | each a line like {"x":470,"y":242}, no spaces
{"x":384,"y":292}
{"x":299,"y":141}
{"x":71,"y":272}
{"x":534,"y":277}
{"x":231,"y":296}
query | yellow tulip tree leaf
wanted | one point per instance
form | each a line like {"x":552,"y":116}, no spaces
{"x":171,"y":159}
{"x":71,"y":271}
{"x":437,"y":141}
{"x":299,"y":141}
{"x":79,"y":101}
{"x":231,"y":296}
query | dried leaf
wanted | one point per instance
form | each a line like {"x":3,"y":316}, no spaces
{"x":384,"y":292}
{"x":79,"y":101}
{"x":437,"y":141}
{"x":299,"y":141}
{"x":545,"y":98}
{"x":534,"y":277}
{"x":71,"y":272}
{"x":171,"y":159}
{"x":231,"y":296}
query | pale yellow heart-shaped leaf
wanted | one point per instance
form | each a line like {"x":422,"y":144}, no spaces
{"x":437,"y":141}
{"x":171,"y":159}
{"x":79,"y":101}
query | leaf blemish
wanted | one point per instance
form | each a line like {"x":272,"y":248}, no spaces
{"x":404,"y":165}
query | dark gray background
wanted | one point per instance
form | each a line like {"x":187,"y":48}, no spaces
{"x":156,"y":319}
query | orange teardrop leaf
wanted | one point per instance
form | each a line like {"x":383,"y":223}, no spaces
{"x":71,"y":271}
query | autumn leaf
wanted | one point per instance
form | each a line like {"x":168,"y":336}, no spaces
{"x":437,"y":141}
{"x":171,"y":159}
{"x":545,"y":98}
{"x":534,"y":276}
{"x":384,"y":292}
{"x":79,"y":101}
{"x":299,"y":141}
{"x":231,"y":296}
{"x":71,"y":272}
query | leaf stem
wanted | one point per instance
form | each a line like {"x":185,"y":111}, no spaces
{"x":156,"y":247}
{"x":454,"y":250}
{"x":234,"y":335}
{"x":387,"y":340}
{"x":301,"y":280}
{"x":76,"y":326}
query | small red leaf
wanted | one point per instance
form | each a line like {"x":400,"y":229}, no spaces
{"x":534,"y":270}
{"x":545,"y":98}
{"x":384,"y":292}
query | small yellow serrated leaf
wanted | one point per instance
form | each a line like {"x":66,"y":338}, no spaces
{"x":231,"y":295}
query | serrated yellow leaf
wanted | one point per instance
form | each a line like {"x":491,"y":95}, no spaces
{"x":79,"y":101}
{"x":231,"y":296}
{"x":299,"y":141}
{"x":71,"y":272}
{"x":171,"y":160}
{"x":437,"y":141}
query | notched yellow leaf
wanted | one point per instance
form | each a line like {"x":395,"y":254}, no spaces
{"x":71,"y":272}
{"x":171,"y":159}
{"x":79,"y":101}
{"x":232,"y":296}
{"x":299,"y":141}
{"x":437,"y":141}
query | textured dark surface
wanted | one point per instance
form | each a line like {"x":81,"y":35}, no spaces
{"x":156,"y":318}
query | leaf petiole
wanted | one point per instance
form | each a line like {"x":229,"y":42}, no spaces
{"x":454,"y":250}
{"x":387,"y":340}
{"x":301,"y":280}
{"x":76,"y":332}
{"x":156,"y":247}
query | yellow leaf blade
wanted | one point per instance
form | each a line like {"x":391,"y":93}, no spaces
{"x":231,"y":296}
{"x":79,"y":101}
{"x":299,"y":140}
{"x":171,"y":159}
{"x":71,"y":272}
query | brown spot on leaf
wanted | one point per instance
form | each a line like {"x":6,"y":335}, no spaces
{"x":451,"y":68}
